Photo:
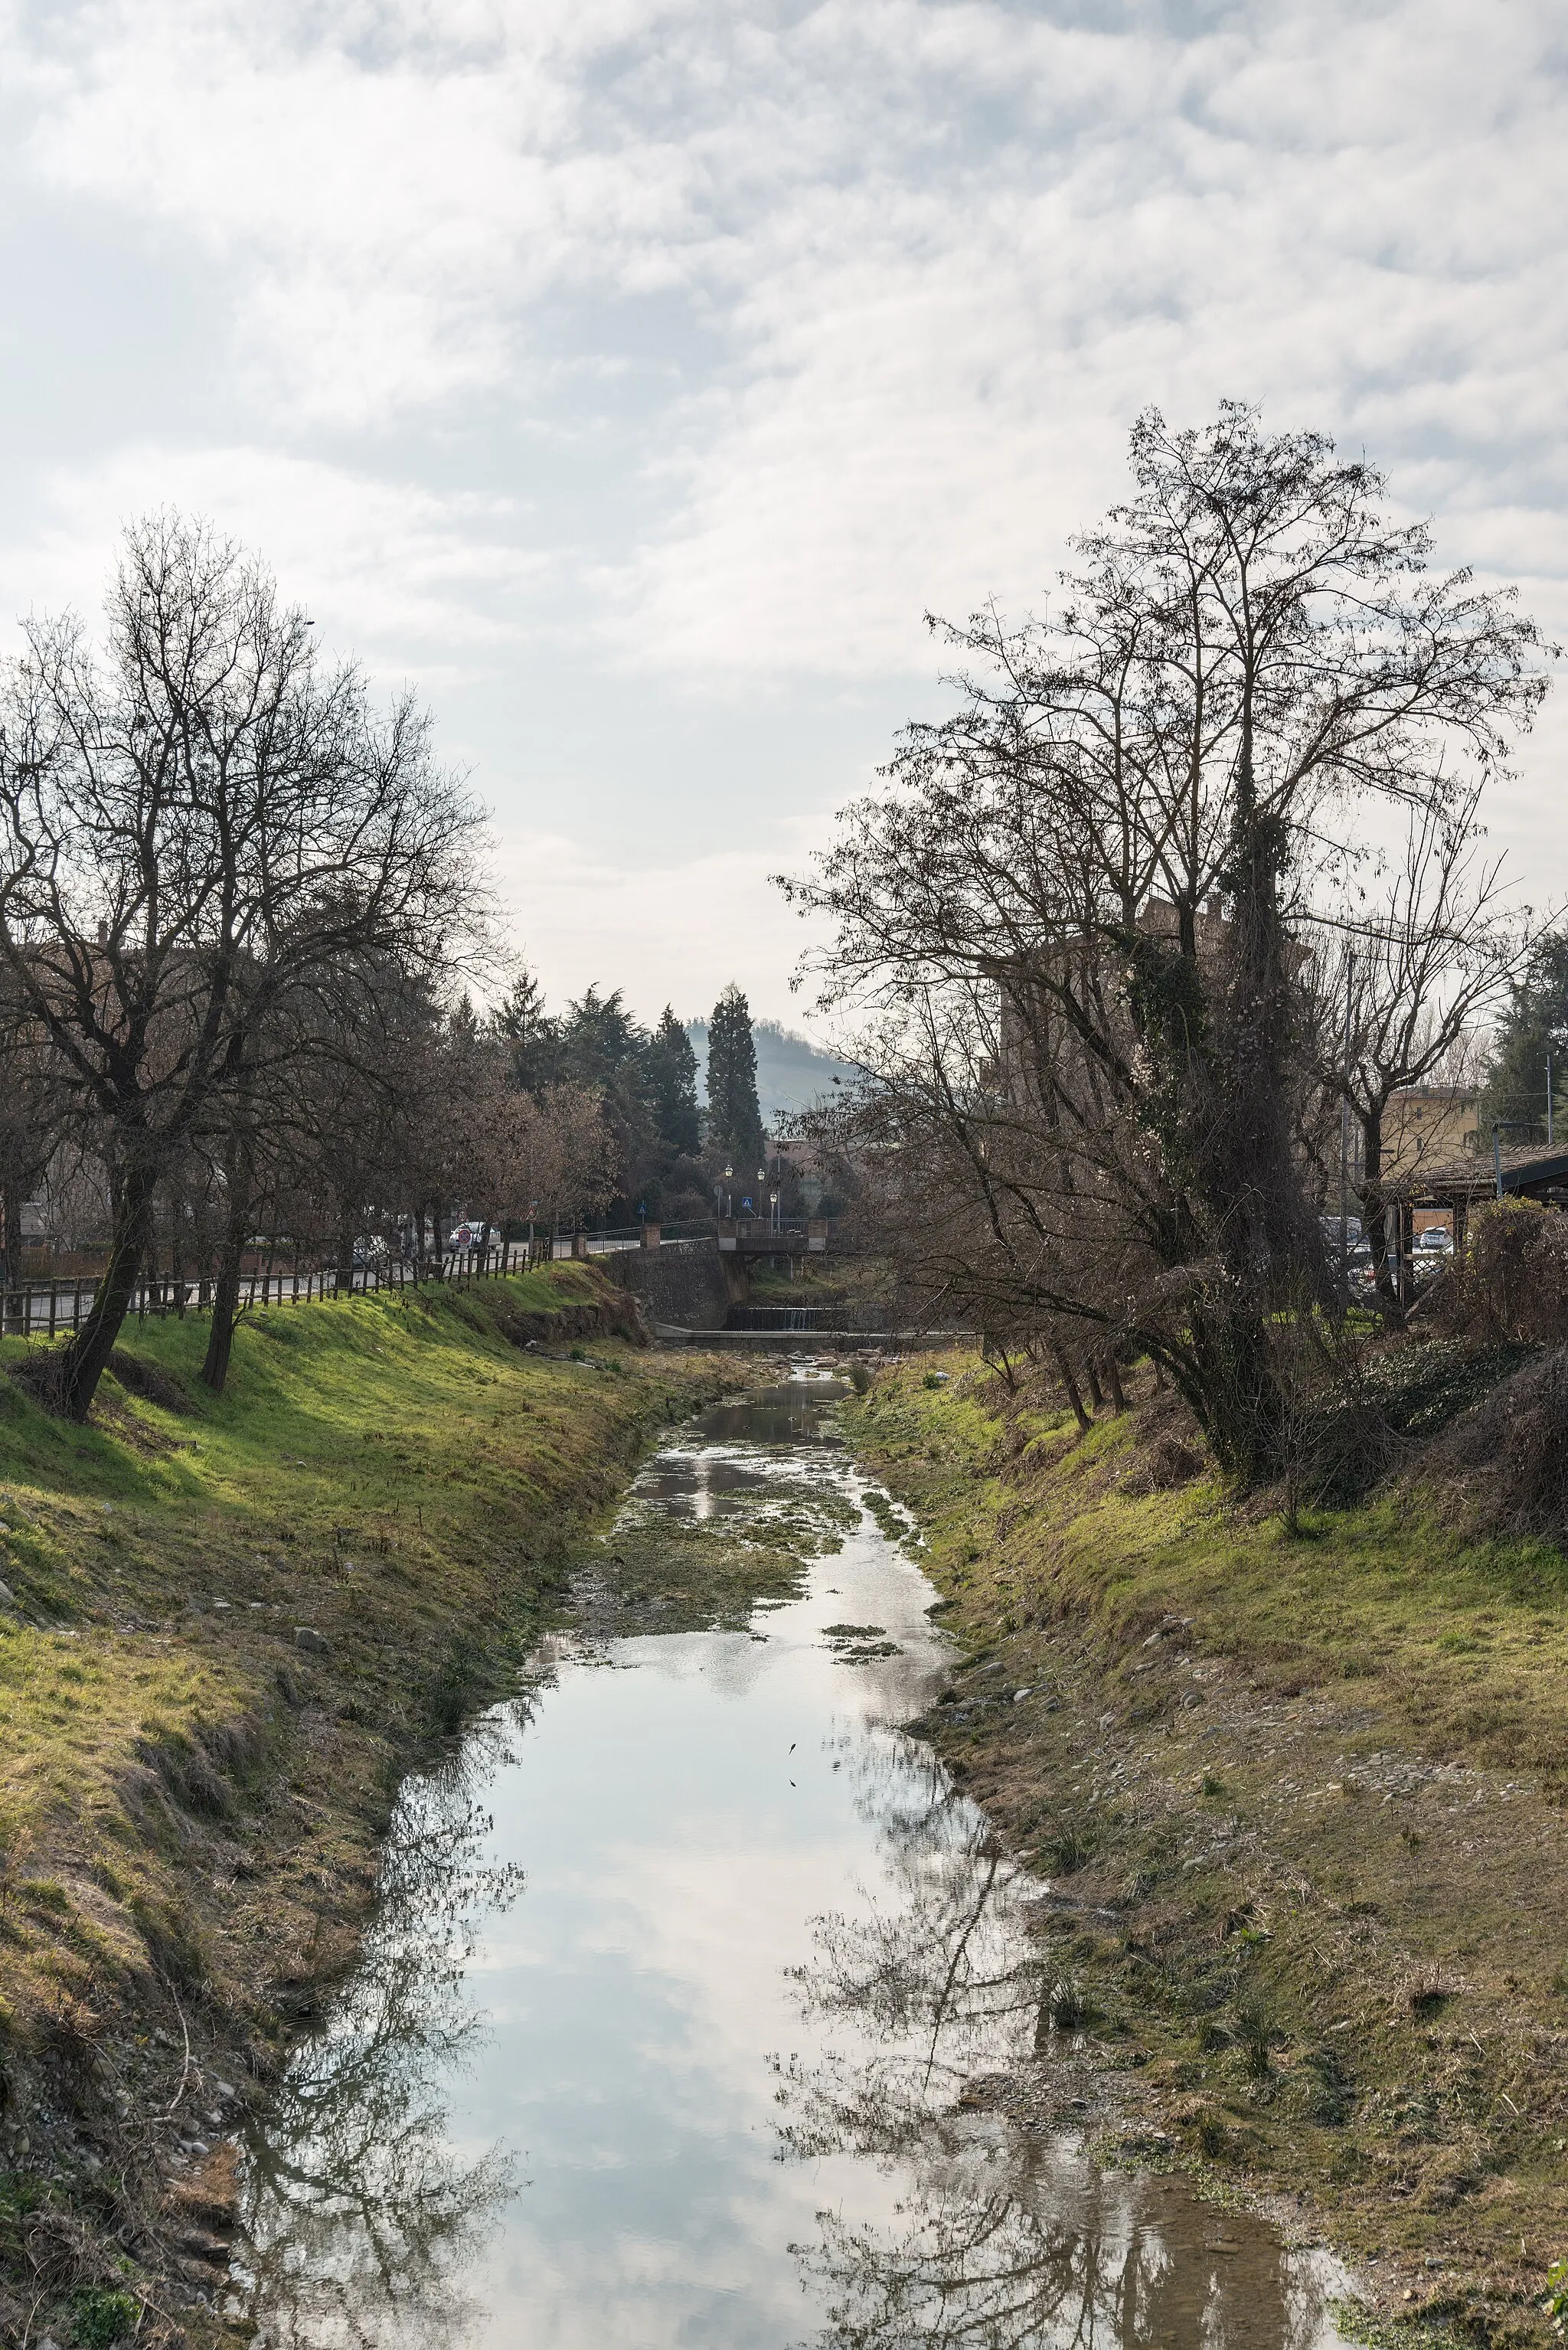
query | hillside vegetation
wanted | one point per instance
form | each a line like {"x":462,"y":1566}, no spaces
{"x":1299,"y":1797}
{"x":227,"y":1627}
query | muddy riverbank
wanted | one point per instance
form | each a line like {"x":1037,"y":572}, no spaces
{"x":1295,"y":1807}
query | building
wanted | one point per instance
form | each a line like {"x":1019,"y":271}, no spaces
{"x":1430,"y":1122}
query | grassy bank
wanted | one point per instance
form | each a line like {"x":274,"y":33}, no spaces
{"x":1300,"y":1798}
{"x":227,"y":1627}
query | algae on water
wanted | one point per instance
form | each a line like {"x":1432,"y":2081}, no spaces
{"x":658,"y":1569}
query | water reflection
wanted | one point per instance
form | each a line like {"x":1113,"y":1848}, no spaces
{"x":732,"y":2032}
{"x":1001,"y":2238}
{"x":933,"y":1974}
{"x":1006,"y":2245}
{"x":358,"y":2213}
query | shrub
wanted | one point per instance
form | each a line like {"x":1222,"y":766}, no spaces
{"x":1512,"y":1284}
{"x":1528,"y":1425}
{"x":101,"y":2318}
{"x":1168,"y":1450}
{"x":151,"y":1381}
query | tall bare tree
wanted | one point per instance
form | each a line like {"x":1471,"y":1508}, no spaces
{"x":1070,"y":909}
{"x":197,"y":823}
{"x":1406,"y":966}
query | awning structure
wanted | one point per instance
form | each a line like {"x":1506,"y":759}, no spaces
{"x":1520,"y":1170}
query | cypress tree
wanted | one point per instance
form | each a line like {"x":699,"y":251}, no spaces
{"x":734,"y":1119}
{"x":672,"y":1086}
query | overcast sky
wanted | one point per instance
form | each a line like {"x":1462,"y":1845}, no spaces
{"x":633,"y":374}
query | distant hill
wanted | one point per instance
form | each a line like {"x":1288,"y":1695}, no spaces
{"x":790,"y":1070}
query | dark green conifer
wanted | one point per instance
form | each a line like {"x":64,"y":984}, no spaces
{"x":1535,"y":1025}
{"x":734,"y":1119}
{"x":672,"y":1085}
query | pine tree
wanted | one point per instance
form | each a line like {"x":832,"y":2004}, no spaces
{"x":734,"y":1119}
{"x":672,"y":1085}
{"x":533,"y":1036}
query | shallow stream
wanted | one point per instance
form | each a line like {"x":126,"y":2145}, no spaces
{"x":688,"y":1970}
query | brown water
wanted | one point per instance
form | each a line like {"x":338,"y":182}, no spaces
{"x":684,"y":1967}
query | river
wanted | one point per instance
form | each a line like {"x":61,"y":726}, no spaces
{"x":692,"y":1970}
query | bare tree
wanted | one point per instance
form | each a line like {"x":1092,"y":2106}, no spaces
{"x":196,"y":825}
{"x":34,"y":1121}
{"x":1070,"y":911}
{"x":1404,"y":971}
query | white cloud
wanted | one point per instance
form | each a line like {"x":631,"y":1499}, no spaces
{"x":721,"y":337}
{"x":675,"y":929}
{"x":378,"y":563}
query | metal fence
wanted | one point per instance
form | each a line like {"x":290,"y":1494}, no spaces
{"x":43,"y":1309}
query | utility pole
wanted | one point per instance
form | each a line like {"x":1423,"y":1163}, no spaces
{"x":1549,"y":1135}
{"x":1344,"y":1138}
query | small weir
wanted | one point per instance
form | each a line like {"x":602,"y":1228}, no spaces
{"x":691,"y":2009}
{"x":785,"y":1317}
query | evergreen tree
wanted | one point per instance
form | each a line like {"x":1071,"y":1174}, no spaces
{"x":604,"y":1048}
{"x":672,"y":1085}
{"x":1536,"y":1023}
{"x":602,"y":1042}
{"x":534,"y":1037}
{"x":734,"y":1119}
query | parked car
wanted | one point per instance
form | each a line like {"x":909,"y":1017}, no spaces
{"x":473,"y":1236}
{"x":1438,"y":1241}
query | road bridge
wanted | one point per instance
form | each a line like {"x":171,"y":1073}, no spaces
{"x":744,"y":1236}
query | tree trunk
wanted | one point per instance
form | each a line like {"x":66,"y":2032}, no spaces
{"x":1375,"y":1210}
{"x":1233,"y":1390}
{"x":13,"y":1276}
{"x":13,"y":1234}
{"x":1113,"y":1382}
{"x":227,"y":1287}
{"x":82,"y":1360}
{"x":1254,"y":1193}
{"x":1064,"y":1373}
{"x":345,"y":1252}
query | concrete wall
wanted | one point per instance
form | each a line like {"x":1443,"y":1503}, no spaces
{"x":685,"y":1282}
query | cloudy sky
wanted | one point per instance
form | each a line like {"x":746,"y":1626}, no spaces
{"x":633,"y":374}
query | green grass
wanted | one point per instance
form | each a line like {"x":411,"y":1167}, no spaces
{"x":191,"y":1799}
{"x":1470,"y":1638}
{"x":1307,"y":1794}
{"x":360,"y":1438}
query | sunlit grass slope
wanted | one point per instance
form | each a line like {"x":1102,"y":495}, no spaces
{"x":1301,"y":1798}
{"x":229,"y":1624}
